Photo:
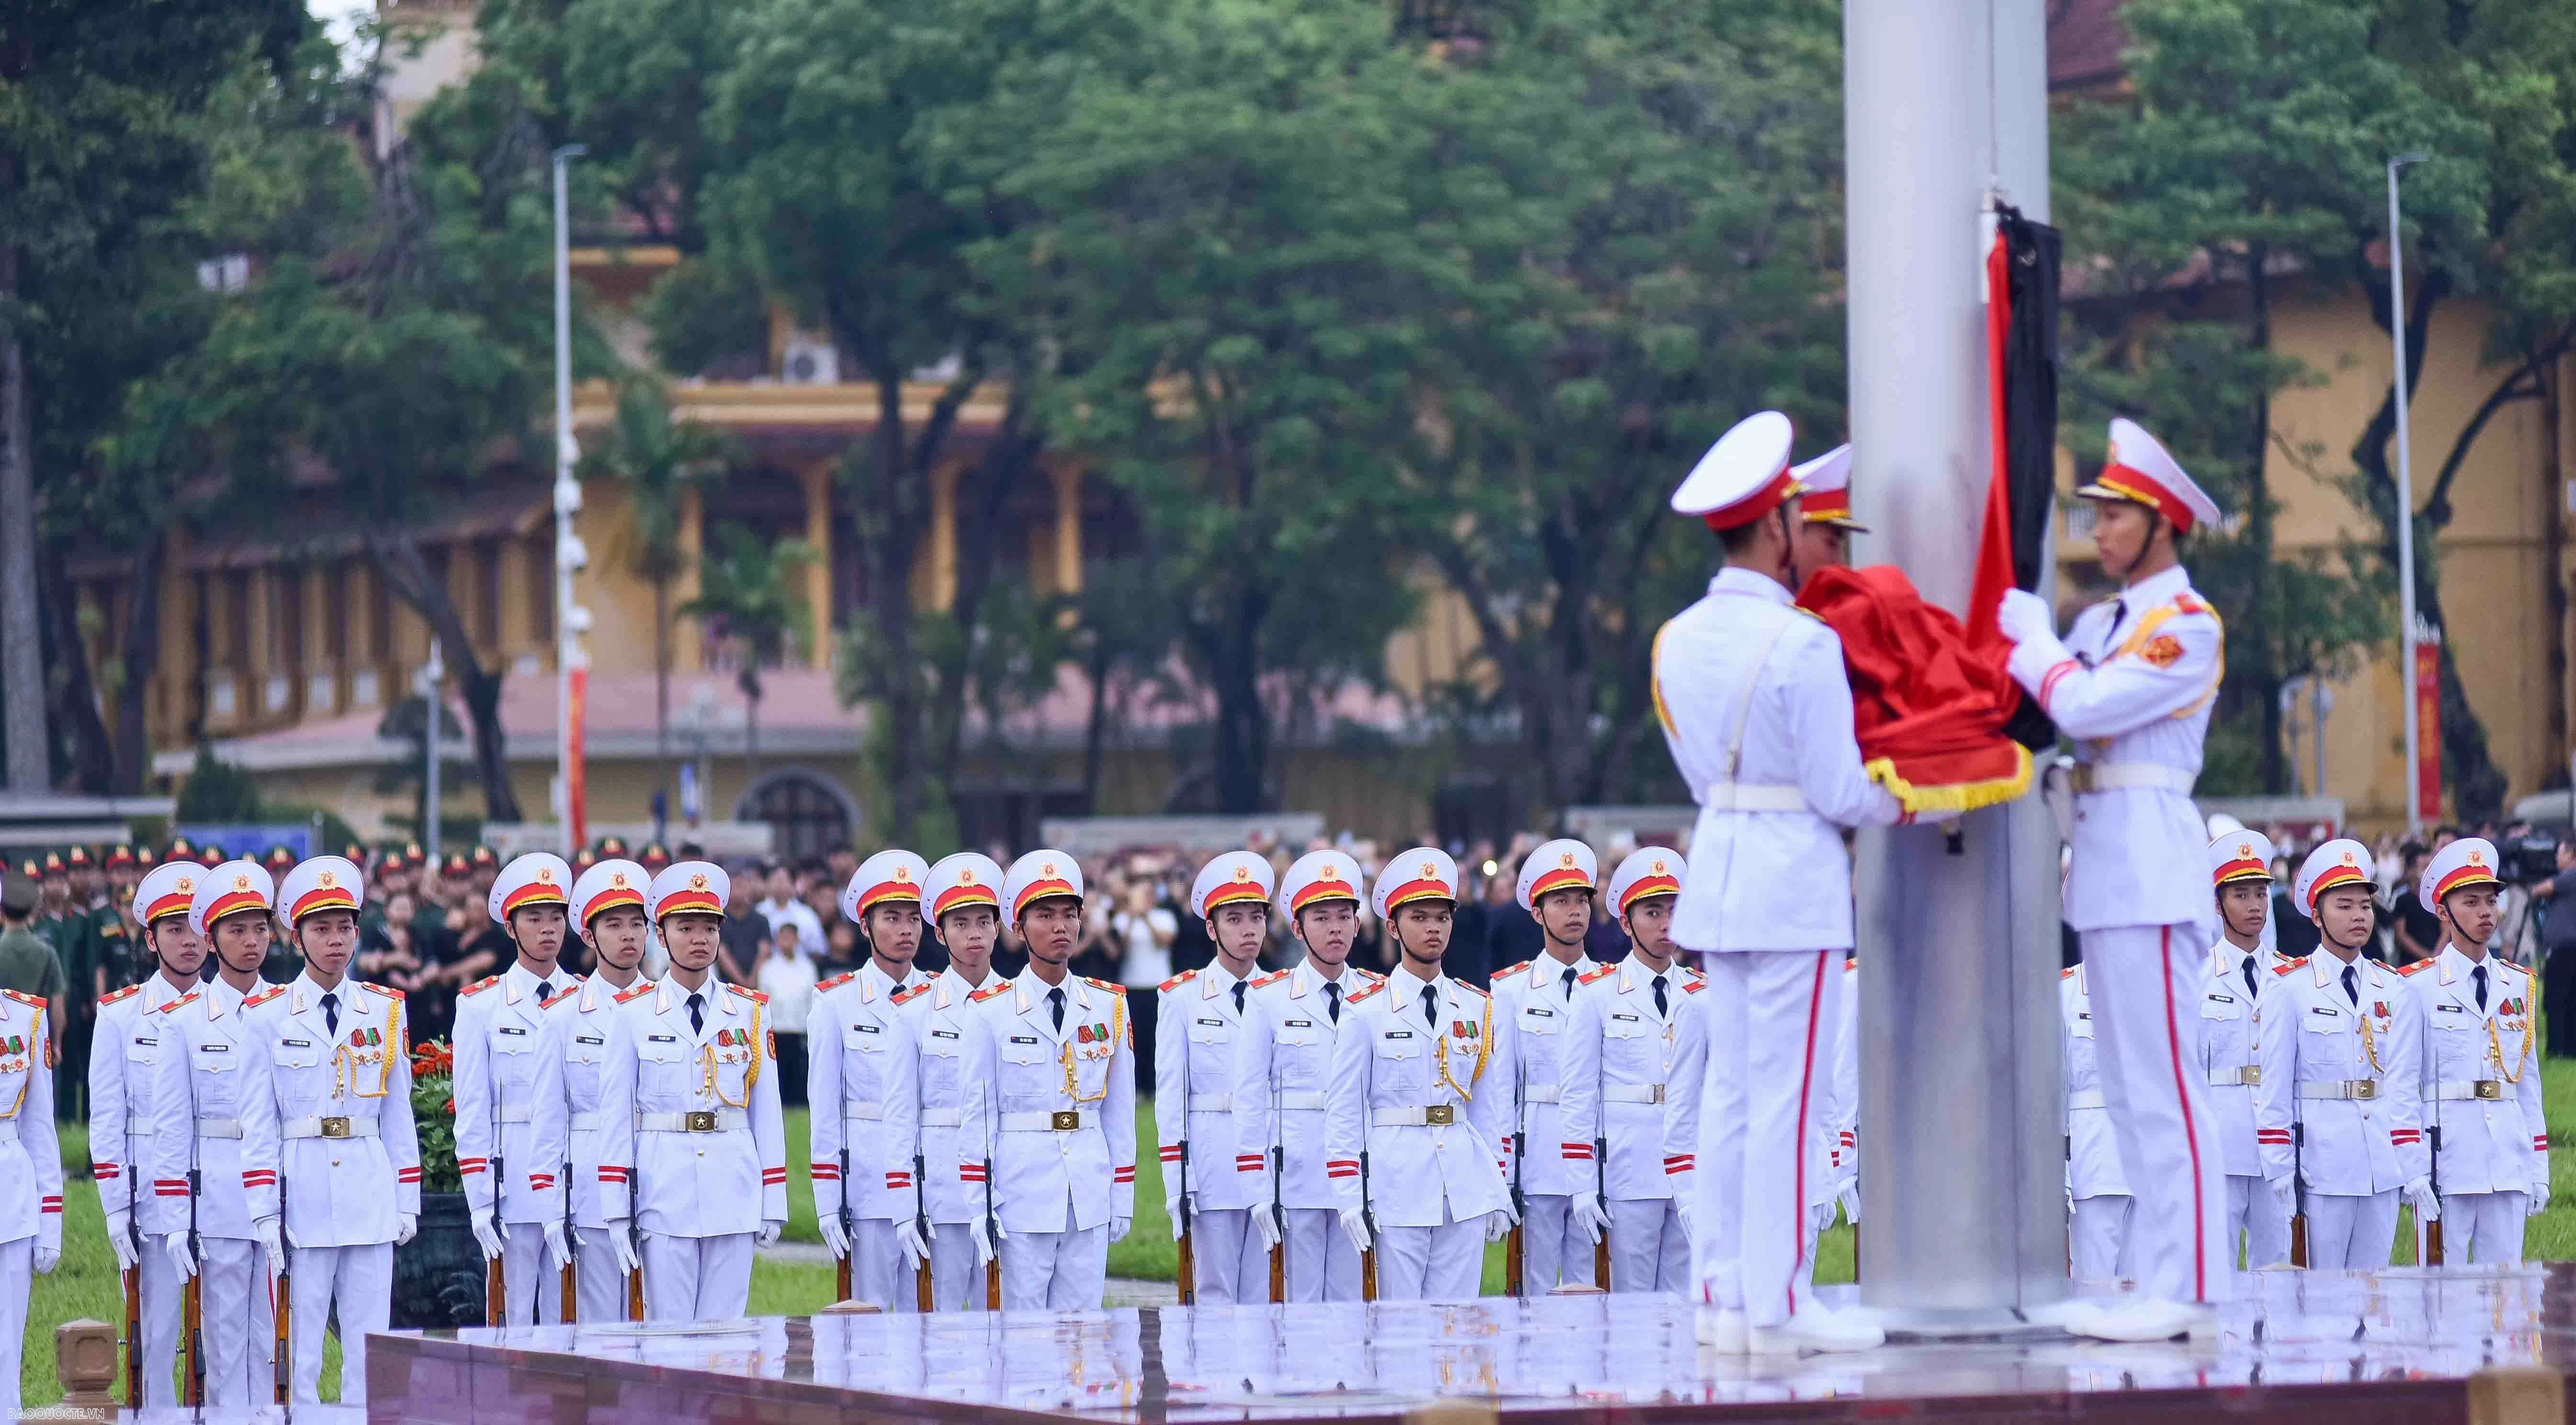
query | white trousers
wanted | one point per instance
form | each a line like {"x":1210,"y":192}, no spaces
{"x":2350,"y":1231}
{"x":1554,"y":1252}
{"x":535,"y":1287}
{"x":1322,"y":1263}
{"x":696,"y":1278}
{"x":2147,"y":1043}
{"x":17,"y":1277}
{"x":238,"y":1311}
{"x":1230,"y":1262}
{"x":1055,"y":1271}
{"x":876,"y":1266}
{"x":360,"y":1280}
{"x":1648,"y":1249}
{"x":2253,"y":1211}
{"x":2100,"y":1245}
{"x":1443,"y":1263}
{"x":161,"y":1290}
{"x":956,"y":1278}
{"x":1770,"y":1017}
{"x":598,"y":1283}
{"x":2484,"y":1228}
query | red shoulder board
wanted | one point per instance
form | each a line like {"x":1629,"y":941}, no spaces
{"x":1175,"y":982}
{"x":979,"y":996}
{"x":113,"y":996}
{"x":836,"y":981}
{"x":2287,"y":966}
{"x":1585,"y":979}
{"x":189,"y":998}
{"x":387,"y":991}
{"x":1272,"y":978}
{"x":2067,"y":974}
{"x":1364,"y":994}
{"x":1508,"y":971}
{"x":1694,"y":985}
{"x":907,"y":996}
{"x":262,"y":997}
{"x":2191,"y":603}
{"x":1104,"y":985}
{"x":1851,"y":962}
{"x":567,"y":992}
{"x":755,"y":996}
{"x":1372,"y":977}
{"x":479,"y":986}
{"x":2411,"y":969}
{"x":641,"y":988}
{"x":23,"y":997}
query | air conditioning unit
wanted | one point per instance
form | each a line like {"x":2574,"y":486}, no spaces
{"x":809,"y":361}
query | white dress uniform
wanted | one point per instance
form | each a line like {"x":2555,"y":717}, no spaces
{"x":31,"y":1167}
{"x":2132,"y":684}
{"x":1416,"y":1111}
{"x":2341,"y":1049}
{"x":120,"y":1125}
{"x":1208,"y":1139}
{"x":2099,"y":1241}
{"x":2483,"y":1117}
{"x":863,"y":1081}
{"x":512,"y":1110}
{"x":1537,"y":997}
{"x":1842,"y":1116}
{"x":1757,"y":710}
{"x":1057,"y":1063}
{"x":214,"y":1127}
{"x":955,"y":1148}
{"x":580,"y":1023}
{"x":1623,"y":1049}
{"x":2231,"y":1056}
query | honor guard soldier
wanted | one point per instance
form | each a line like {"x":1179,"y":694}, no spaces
{"x":2338,"y":1109}
{"x":1757,"y":710}
{"x":608,"y":911}
{"x":120,"y":1115}
{"x":1842,"y":1116}
{"x":214,"y":1150}
{"x":1413,"y":1120}
{"x":1283,"y":1066}
{"x":1825,"y":523}
{"x":31,"y":1159}
{"x":690,"y":1108}
{"x":2240,"y":965}
{"x":865,"y":1088}
{"x":1632,"y":1037}
{"x":2132,"y":684}
{"x":954,"y":1157}
{"x":1215,"y":1176}
{"x":339,"y":1064}
{"x":2488,"y":1134}
{"x":1056,"y":1059}
{"x":512,"y":1113}
{"x":1553,"y":1176}
{"x":2100,"y":1208}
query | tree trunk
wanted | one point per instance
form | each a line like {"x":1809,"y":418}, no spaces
{"x":2553,"y":556}
{"x":142,"y":655}
{"x":2256,"y":647}
{"x":890,"y":594}
{"x":980,"y":497}
{"x":22,"y":662}
{"x":73,"y":697}
{"x":1095,"y":728}
{"x":395,"y":557}
{"x":1242,"y":722}
{"x":662,"y":681}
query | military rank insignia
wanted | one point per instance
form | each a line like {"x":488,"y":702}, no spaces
{"x":2511,"y":1006}
{"x":17,"y":1044}
{"x":2379,"y":1009}
{"x":2164,"y":650}
{"x":1463,"y":1029}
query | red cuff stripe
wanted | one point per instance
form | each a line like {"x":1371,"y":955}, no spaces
{"x":2049,"y":680}
{"x":898,"y":1180}
{"x":1124,"y":1175}
{"x":171,"y":1192}
{"x":470,"y":1162}
{"x":826,"y":1172}
{"x":102,"y":1170}
{"x":412,"y":1175}
{"x":611,"y":1173}
{"x":52,"y":1204}
{"x":1342,"y":1172}
{"x":1171,"y":1152}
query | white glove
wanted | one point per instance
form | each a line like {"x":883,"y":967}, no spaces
{"x":1178,"y":1211}
{"x":176,"y":1244}
{"x":984,"y":1229}
{"x":621,"y":1242}
{"x":769,"y":1231}
{"x":835,"y":1236}
{"x":1265,"y":1225}
{"x":1355,"y":1227}
{"x":2539,"y":1198}
{"x":1849,"y":1196}
{"x":2023,"y":616}
{"x":1118,"y":1228}
{"x":557,"y":1249}
{"x":488,"y":1232}
{"x":272,"y":1242}
{"x":909,"y":1241}
{"x":1820,"y":1216}
{"x":120,"y":1236}
{"x":1685,"y":1207}
{"x":2419,"y":1196}
{"x":46,"y":1259}
{"x":1498,"y":1224}
{"x":2285,"y":1191}
{"x":406,"y":1227}
{"x":1586,"y":1214}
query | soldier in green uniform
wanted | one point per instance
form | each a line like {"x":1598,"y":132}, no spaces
{"x":28,"y":963}
{"x":64,"y":925}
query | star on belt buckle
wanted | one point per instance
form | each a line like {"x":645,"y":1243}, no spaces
{"x":2365,"y":1088}
{"x":1440,"y":1115}
{"x":335,"y":1128}
{"x":2488,"y":1089}
{"x":701,"y":1120}
{"x":1064,"y":1120}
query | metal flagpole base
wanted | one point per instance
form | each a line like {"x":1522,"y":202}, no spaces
{"x":1919,"y":1324}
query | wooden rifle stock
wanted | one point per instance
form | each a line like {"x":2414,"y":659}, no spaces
{"x":1368,"y":1259}
{"x":2299,"y":1185}
{"x":496,"y":1293}
{"x":1515,"y":1248}
{"x":993,"y":1265}
{"x":2433,"y":1253}
{"x":1601,"y":1183}
{"x":925,"y":1293}
{"x":281,"y":1358}
{"x":1187,"y":1278}
{"x":192,"y":1332}
{"x":134,"y":1336}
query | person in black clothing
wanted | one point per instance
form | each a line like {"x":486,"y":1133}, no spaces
{"x":2557,"y":903}
{"x":2419,"y":930}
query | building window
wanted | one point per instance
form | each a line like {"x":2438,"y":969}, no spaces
{"x":286,"y":619}
{"x":236,"y":624}
{"x":806,"y":811}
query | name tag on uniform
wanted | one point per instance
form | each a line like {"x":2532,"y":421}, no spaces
{"x":2329,"y":1011}
{"x":865,"y":1028}
{"x":661,"y":1039}
{"x":943,"y":1034}
{"x":1399,"y":1034}
{"x":148,"y":1043}
{"x":294,"y":1043}
{"x":1024,"y":1039}
{"x":214,"y":1048}
{"x":1213,"y":1023}
{"x":1628,"y":1018}
{"x":1301,"y":1024}
{"x":1537,"y":1013}
{"x":2448,"y":1009}
{"x":2220,"y":999}
{"x":2088,"y":1014}
{"x":509,"y":1029}
{"x":587,"y":1039}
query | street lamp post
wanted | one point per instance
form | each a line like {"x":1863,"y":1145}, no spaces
{"x":2405,"y":497}
{"x":570,"y":556}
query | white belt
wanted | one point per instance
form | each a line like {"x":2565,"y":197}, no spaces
{"x":585,"y":1122}
{"x":332,"y":1127}
{"x":219,"y":1128}
{"x":1211,"y":1103}
{"x":941,"y":1118}
{"x":704,"y":1120}
{"x":2340,"y":1089}
{"x":1302,"y":1100}
{"x":1438,"y":1115}
{"x":2238,"y":1076}
{"x":507,"y":1114}
{"x":1632,"y":1093}
{"x":2129,"y":776}
{"x":2491,"y":1090}
{"x":1538,"y":1093}
{"x":862,"y":1111}
{"x":1751,"y":796}
{"x":1061,"y":1120}
{"x":2087,"y":1098}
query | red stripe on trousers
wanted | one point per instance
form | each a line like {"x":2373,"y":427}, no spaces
{"x":1806,"y":1081}
{"x":2190,"y":1135}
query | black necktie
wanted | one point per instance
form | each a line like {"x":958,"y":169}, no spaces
{"x":545,"y":991}
{"x":1661,"y":1007}
{"x":2119,"y":611}
{"x":697,"y":1014}
{"x":1333,"y":1000}
{"x":1055,"y":1001}
{"x":331,"y":1014}
{"x":1238,"y":999}
{"x":2479,"y":977}
{"x":2249,"y":978}
{"x":1430,"y":1006}
{"x":1569,"y":983}
{"x":2352,"y":984}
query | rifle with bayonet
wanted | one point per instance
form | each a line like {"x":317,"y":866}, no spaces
{"x":133,"y":1290}
{"x":1601,"y":1193}
{"x":1515,"y":1244}
{"x":1278,"y":1206}
{"x":925,"y":1292}
{"x":1368,"y":1219}
{"x":283,"y":1293}
{"x":1188,"y":1276}
{"x":843,"y":1274}
{"x":992,"y":1225}
{"x":496,"y":1286}
{"x":2299,"y":1189}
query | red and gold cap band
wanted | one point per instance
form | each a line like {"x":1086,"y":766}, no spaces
{"x":1237,"y":893}
{"x":2473,"y":874}
{"x":2241,"y":870}
{"x":1563,"y":878}
{"x":1330,"y":890}
{"x":233,"y":903}
{"x":1039,"y":890}
{"x":1754,"y":506}
{"x":2332,"y":877}
{"x":956,"y":897}
{"x":2137,"y":486}
{"x":889,"y":891}
{"x":533,"y":893}
{"x":692,"y":902}
{"x":1649,"y":886}
{"x":1420,"y":890}
{"x":322,"y":898}
{"x":176,"y":903}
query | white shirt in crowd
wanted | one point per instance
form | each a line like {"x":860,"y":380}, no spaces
{"x":791,"y":911}
{"x":1147,"y":938}
{"x":788,"y":978}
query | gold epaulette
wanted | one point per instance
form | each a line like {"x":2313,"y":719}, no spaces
{"x":567,"y":992}
{"x":22,"y":997}
{"x":995,"y":988}
{"x":2411,"y":969}
{"x":916,"y":992}
{"x":263,"y":997}
{"x":189,"y":998}
{"x":1364,"y":994}
{"x":1508,"y":971}
{"x":2287,"y":966}
{"x":1175,"y":982}
{"x":1372,"y":977}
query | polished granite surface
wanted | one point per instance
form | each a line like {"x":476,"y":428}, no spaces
{"x":2393,"y":1345}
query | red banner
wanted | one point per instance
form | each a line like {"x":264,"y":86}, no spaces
{"x":576,"y":794}
{"x":2428,"y":726}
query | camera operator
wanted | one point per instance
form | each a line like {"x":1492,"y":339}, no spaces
{"x":2557,"y":906}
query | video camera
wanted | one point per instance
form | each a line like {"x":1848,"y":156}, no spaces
{"x":2527,"y":859}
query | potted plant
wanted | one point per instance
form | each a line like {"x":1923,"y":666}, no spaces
{"x":438,"y":1274}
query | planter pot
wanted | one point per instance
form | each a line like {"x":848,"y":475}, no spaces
{"x":438,"y":1274}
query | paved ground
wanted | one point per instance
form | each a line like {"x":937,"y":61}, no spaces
{"x":1122,"y":1291}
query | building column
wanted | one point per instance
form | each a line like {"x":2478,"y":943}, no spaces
{"x":688,"y":636}
{"x":934,"y":578}
{"x":1067,"y":479}
{"x":818,"y":574}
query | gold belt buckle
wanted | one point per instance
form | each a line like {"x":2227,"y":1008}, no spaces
{"x":2365,"y":1088}
{"x":2079,"y":778}
{"x":2489,"y":1089}
{"x":701,"y":1120}
{"x":1440,"y":1115}
{"x":335,"y":1128}
{"x":2251,"y":1074}
{"x":1659,"y":1093}
{"x":1064,"y":1120}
